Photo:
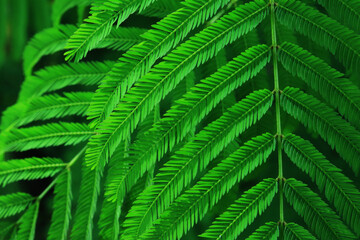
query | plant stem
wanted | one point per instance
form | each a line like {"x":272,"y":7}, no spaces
{"x":278,"y":113}
{"x":73,"y":161}
{"x":48,"y":188}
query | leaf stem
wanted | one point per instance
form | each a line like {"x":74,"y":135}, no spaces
{"x":278,"y":112}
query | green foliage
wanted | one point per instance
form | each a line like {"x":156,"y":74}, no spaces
{"x":314,"y":210}
{"x":214,"y":113}
{"x":62,"y":207}
{"x":14,"y":203}
{"x":29,"y":169}
{"x":243,"y":211}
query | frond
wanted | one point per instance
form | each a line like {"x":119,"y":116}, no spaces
{"x":149,"y":91}
{"x":63,"y":75}
{"x":339,"y":40}
{"x":54,"y":106}
{"x":243,"y":211}
{"x":52,"y":134}
{"x":14,"y":203}
{"x":136,"y":62}
{"x":338,"y":188}
{"x":62,"y":208}
{"x":59,"y":7}
{"x":268,"y":231}
{"x":162,"y":8}
{"x":5,"y":228}
{"x":99,"y":24}
{"x":192,"y":206}
{"x":294,"y":231}
{"x":28,"y":223}
{"x":331,"y":84}
{"x":184,"y":115}
{"x":195,"y":155}
{"x":86,"y":205}
{"x":51,"y":79}
{"x":340,"y":135}
{"x":110,"y":213}
{"x":316,"y":213}
{"x":122,"y":38}
{"x":29,"y":169}
{"x":46,"y":42}
{"x":346,"y":11}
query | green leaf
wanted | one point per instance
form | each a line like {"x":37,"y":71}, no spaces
{"x":243,"y":211}
{"x":5,"y":228}
{"x":52,"y":134}
{"x":345,"y":11}
{"x":162,"y":8}
{"x":60,"y":76}
{"x":294,"y":231}
{"x":28,"y":223}
{"x":268,"y":231}
{"x":338,"y":189}
{"x":340,"y":135}
{"x":184,"y":115}
{"x":87,"y":204}
{"x":192,"y":206}
{"x":316,"y":213}
{"x":54,"y":106}
{"x":122,"y":38}
{"x":46,"y":42}
{"x":339,"y":91}
{"x":14,"y":203}
{"x":136,"y":62}
{"x":110,"y":213}
{"x":339,"y":40}
{"x":194,"y":156}
{"x":59,"y":7}
{"x":60,"y":219}
{"x":97,"y":26}
{"x":29,"y":169}
{"x":141,"y":99}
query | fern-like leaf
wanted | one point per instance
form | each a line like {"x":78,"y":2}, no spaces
{"x":268,"y":231}
{"x":5,"y":228}
{"x":59,"y":7}
{"x":14,"y":203}
{"x":99,"y":25}
{"x":192,"y":206}
{"x":64,"y":75}
{"x":294,"y":231}
{"x":341,"y":41}
{"x":29,"y":169}
{"x":111,"y":210}
{"x":346,"y":11}
{"x":87,"y":203}
{"x":46,"y":42}
{"x":54,"y":106}
{"x":62,"y":208}
{"x":122,"y":38}
{"x":184,"y":115}
{"x":316,"y":213}
{"x":141,"y":99}
{"x":52,"y":134}
{"x":337,"y":187}
{"x":138,"y":60}
{"x":28,"y":223}
{"x":331,"y":84}
{"x":243,"y":211}
{"x":325,"y":121}
{"x":196,"y":154}
{"x":162,"y":8}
